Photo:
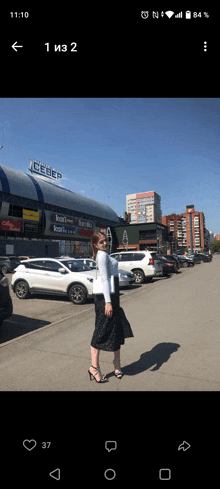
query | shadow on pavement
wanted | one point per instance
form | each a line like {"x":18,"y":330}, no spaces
{"x":154,"y":358}
{"x":18,"y":325}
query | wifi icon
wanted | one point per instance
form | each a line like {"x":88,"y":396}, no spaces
{"x":169,"y":13}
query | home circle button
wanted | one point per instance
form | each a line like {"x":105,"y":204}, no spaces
{"x":110,"y":474}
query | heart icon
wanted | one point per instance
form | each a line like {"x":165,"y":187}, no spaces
{"x":29,"y":444}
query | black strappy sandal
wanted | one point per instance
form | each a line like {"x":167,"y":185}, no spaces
{"x":117,"y":362}
{"x":103,"y":378}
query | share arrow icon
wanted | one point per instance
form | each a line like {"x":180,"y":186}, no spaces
{"x":184,"y":446}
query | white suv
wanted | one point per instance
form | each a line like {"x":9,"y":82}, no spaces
{"x":143,"y":264}
{"x":65,"y":276}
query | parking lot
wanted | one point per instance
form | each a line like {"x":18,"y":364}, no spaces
{"x":45,"y":310}
{"x":45,"y":345}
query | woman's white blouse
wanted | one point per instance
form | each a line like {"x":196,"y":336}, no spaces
{"x":102,"y":260}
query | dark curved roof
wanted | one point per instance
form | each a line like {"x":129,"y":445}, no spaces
{"x":18,"y":183}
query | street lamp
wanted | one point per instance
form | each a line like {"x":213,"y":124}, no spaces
{"x":109,"y":236}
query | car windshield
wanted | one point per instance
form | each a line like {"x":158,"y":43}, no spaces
{"x":75,"y":265}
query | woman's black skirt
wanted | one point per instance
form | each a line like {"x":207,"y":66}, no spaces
{"x":110,"y":332}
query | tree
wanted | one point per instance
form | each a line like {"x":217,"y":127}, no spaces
{"x":215,"y":246}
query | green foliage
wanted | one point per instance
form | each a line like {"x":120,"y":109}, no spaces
{"x":215,"y":246}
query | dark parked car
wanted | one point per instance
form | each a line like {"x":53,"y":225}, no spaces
{"x":4,"y":264}
{"x":209,"y":255}
{"x":170,"y":259}
{"x":6,"y":307}
{"x":9,"y":263}
{"x":186,"y":261}
{"x":205,"y":257}
{"x":195,"y":257}
{"x":198,"y":257}
{"x":167,"y":267}
{"x":174,"y":259}
{"x":14,"y":262}
{"x":178,"y":257}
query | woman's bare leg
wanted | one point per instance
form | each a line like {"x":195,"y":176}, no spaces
{"x":116,"y":362}
{"x":95,"y":363}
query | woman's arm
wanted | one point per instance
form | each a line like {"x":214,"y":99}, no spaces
{"x":104,"y":272}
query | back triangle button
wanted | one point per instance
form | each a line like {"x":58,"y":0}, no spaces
{"x":55,"y":474}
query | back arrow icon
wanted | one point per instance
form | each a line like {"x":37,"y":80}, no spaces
{"x":55,"y":474}
{"x":15,"y":47}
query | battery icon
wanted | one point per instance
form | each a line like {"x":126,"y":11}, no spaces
{"x":188,"y":14}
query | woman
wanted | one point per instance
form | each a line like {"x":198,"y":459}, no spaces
{"x":111,"y":325}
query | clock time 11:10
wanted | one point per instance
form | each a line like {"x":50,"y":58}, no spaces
{"x":19,"y":15}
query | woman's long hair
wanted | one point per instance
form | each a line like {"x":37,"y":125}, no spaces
{"x":95,"y":238}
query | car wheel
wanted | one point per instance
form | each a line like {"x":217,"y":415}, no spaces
{"x":78,"y":294}
{"x":185,"y":264}
{"x":139,"y":276}
{"x":22,"y":289}
{"x":4,"y":269}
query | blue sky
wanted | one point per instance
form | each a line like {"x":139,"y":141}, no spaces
{"x":108,"y":148}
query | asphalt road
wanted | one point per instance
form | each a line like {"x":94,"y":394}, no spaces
{"x":45,"y":345}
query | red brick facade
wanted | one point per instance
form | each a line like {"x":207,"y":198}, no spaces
{"x":182,"y":224}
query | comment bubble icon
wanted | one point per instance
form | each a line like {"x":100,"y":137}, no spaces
{"x":110,"y":445}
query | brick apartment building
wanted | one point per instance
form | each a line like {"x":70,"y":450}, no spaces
{"x":188,"y":229}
